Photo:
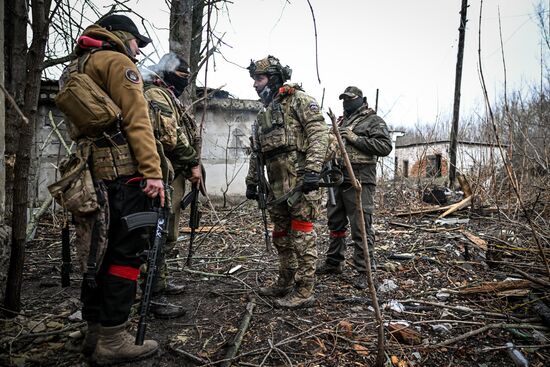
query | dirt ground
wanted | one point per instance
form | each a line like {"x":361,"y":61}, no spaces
{"x":440,"y":288}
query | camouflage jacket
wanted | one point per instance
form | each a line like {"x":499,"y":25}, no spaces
{"x":373,"y":141}
{"x":292,"y":138}
{"x":173,"y":128}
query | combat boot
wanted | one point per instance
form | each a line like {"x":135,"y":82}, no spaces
{"x":172,"y":288}
{"x":284,"y":285}
{"x":116,"y":345}
{"x":301,"y":297}
{"x":327,"y":268}
{"x":162,"y":309}
{"x":90,"y":339}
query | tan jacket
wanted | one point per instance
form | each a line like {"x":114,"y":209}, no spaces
{"x":115,"y":72}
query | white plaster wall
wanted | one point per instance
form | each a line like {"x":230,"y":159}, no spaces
{"x":468,"y":156}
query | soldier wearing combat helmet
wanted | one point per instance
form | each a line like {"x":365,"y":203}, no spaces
{"x":293,"y":141}
{"x":126,"y":171}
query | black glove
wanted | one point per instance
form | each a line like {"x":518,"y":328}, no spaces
{"x":251,"y":192}
{"x":311,"y":182}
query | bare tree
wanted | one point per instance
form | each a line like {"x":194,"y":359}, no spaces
{"x":24,"y":68}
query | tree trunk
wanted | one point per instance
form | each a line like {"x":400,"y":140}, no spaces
{"x":34,"y":58}
{"x":456,"y":106}
{"x":15,"y":31}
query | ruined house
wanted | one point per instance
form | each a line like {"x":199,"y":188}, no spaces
{"x":431,"y":159}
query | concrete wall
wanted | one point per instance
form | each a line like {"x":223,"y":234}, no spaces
{"x":225,"y":143}
{"x":224,"y":151}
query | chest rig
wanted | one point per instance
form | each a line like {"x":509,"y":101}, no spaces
{"x":357,"y":156}
{"x":279,"y":131}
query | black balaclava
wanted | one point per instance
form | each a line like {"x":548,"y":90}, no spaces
{"x":177,"y":82}
{"x":351,"y":105}
{"x":270,"y":89}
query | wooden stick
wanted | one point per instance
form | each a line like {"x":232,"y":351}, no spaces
{"x":380,"y":358}
{"x":236,"y":343}
{"x":457,"y":206}
{"x":424,"y":211}
{"x":485,"y":328}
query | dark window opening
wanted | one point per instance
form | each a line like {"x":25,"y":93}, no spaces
{"x":405,"y":168}
{"x":433,"y":168}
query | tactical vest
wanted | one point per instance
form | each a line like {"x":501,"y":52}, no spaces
{"x":355,"y":155}
{"x":164,"y":115}
{"x":278,"y":132}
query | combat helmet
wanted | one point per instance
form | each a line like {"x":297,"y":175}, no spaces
{"x":270,"y":66}
{"x":277,"y":74}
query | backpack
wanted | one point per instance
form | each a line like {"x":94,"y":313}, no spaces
{"x":87,"y":106}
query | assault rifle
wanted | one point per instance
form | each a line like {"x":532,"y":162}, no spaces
{"x":262,"y":186}
{"x":192,"y":198}
{"x":330,"y":187}
{"x":159,"y":219}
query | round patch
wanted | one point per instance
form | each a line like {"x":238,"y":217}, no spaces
{"x":132,"y":76}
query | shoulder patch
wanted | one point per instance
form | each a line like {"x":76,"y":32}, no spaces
{"x":314,"y":107}
{"x":132,"y":76}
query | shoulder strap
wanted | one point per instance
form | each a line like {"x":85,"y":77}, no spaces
{"x":77,"y":65}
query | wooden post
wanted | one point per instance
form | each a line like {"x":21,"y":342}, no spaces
{"x":456,"y":106}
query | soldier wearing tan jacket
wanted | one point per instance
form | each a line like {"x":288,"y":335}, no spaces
{"x":125,"y":162}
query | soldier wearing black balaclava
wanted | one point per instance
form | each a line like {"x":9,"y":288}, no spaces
{"x":366,"y":138}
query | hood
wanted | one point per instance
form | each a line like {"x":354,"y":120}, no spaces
{"x":97,"y":32}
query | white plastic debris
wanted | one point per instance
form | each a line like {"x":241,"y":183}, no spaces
{"x":77,"y":316}
{"x":442,"y":328}
{"x":394,"y":306}
{"x":234,"y":269}
{"x":387,"y":286}
{"x":450,"y":221}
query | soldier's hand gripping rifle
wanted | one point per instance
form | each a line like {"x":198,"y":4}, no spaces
{"x":159,"y":219}
{"x":262,"y":185}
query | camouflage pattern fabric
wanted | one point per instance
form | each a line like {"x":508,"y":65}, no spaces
{"x":298,"y":251}
{"x":84,"y":232}
{"x":294,"y":138}
{"x":176,"y":131}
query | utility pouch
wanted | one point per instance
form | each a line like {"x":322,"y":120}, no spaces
{"x":112,"y":157}
{"x":75,"y":190}
{"x":89,"y":108}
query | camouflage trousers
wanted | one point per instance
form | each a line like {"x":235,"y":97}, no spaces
{"x":169,"y":247}
{"x":344,"y":213}
{"x":294,"y":236}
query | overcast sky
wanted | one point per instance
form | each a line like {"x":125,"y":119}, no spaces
{"x":406,"y":49}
